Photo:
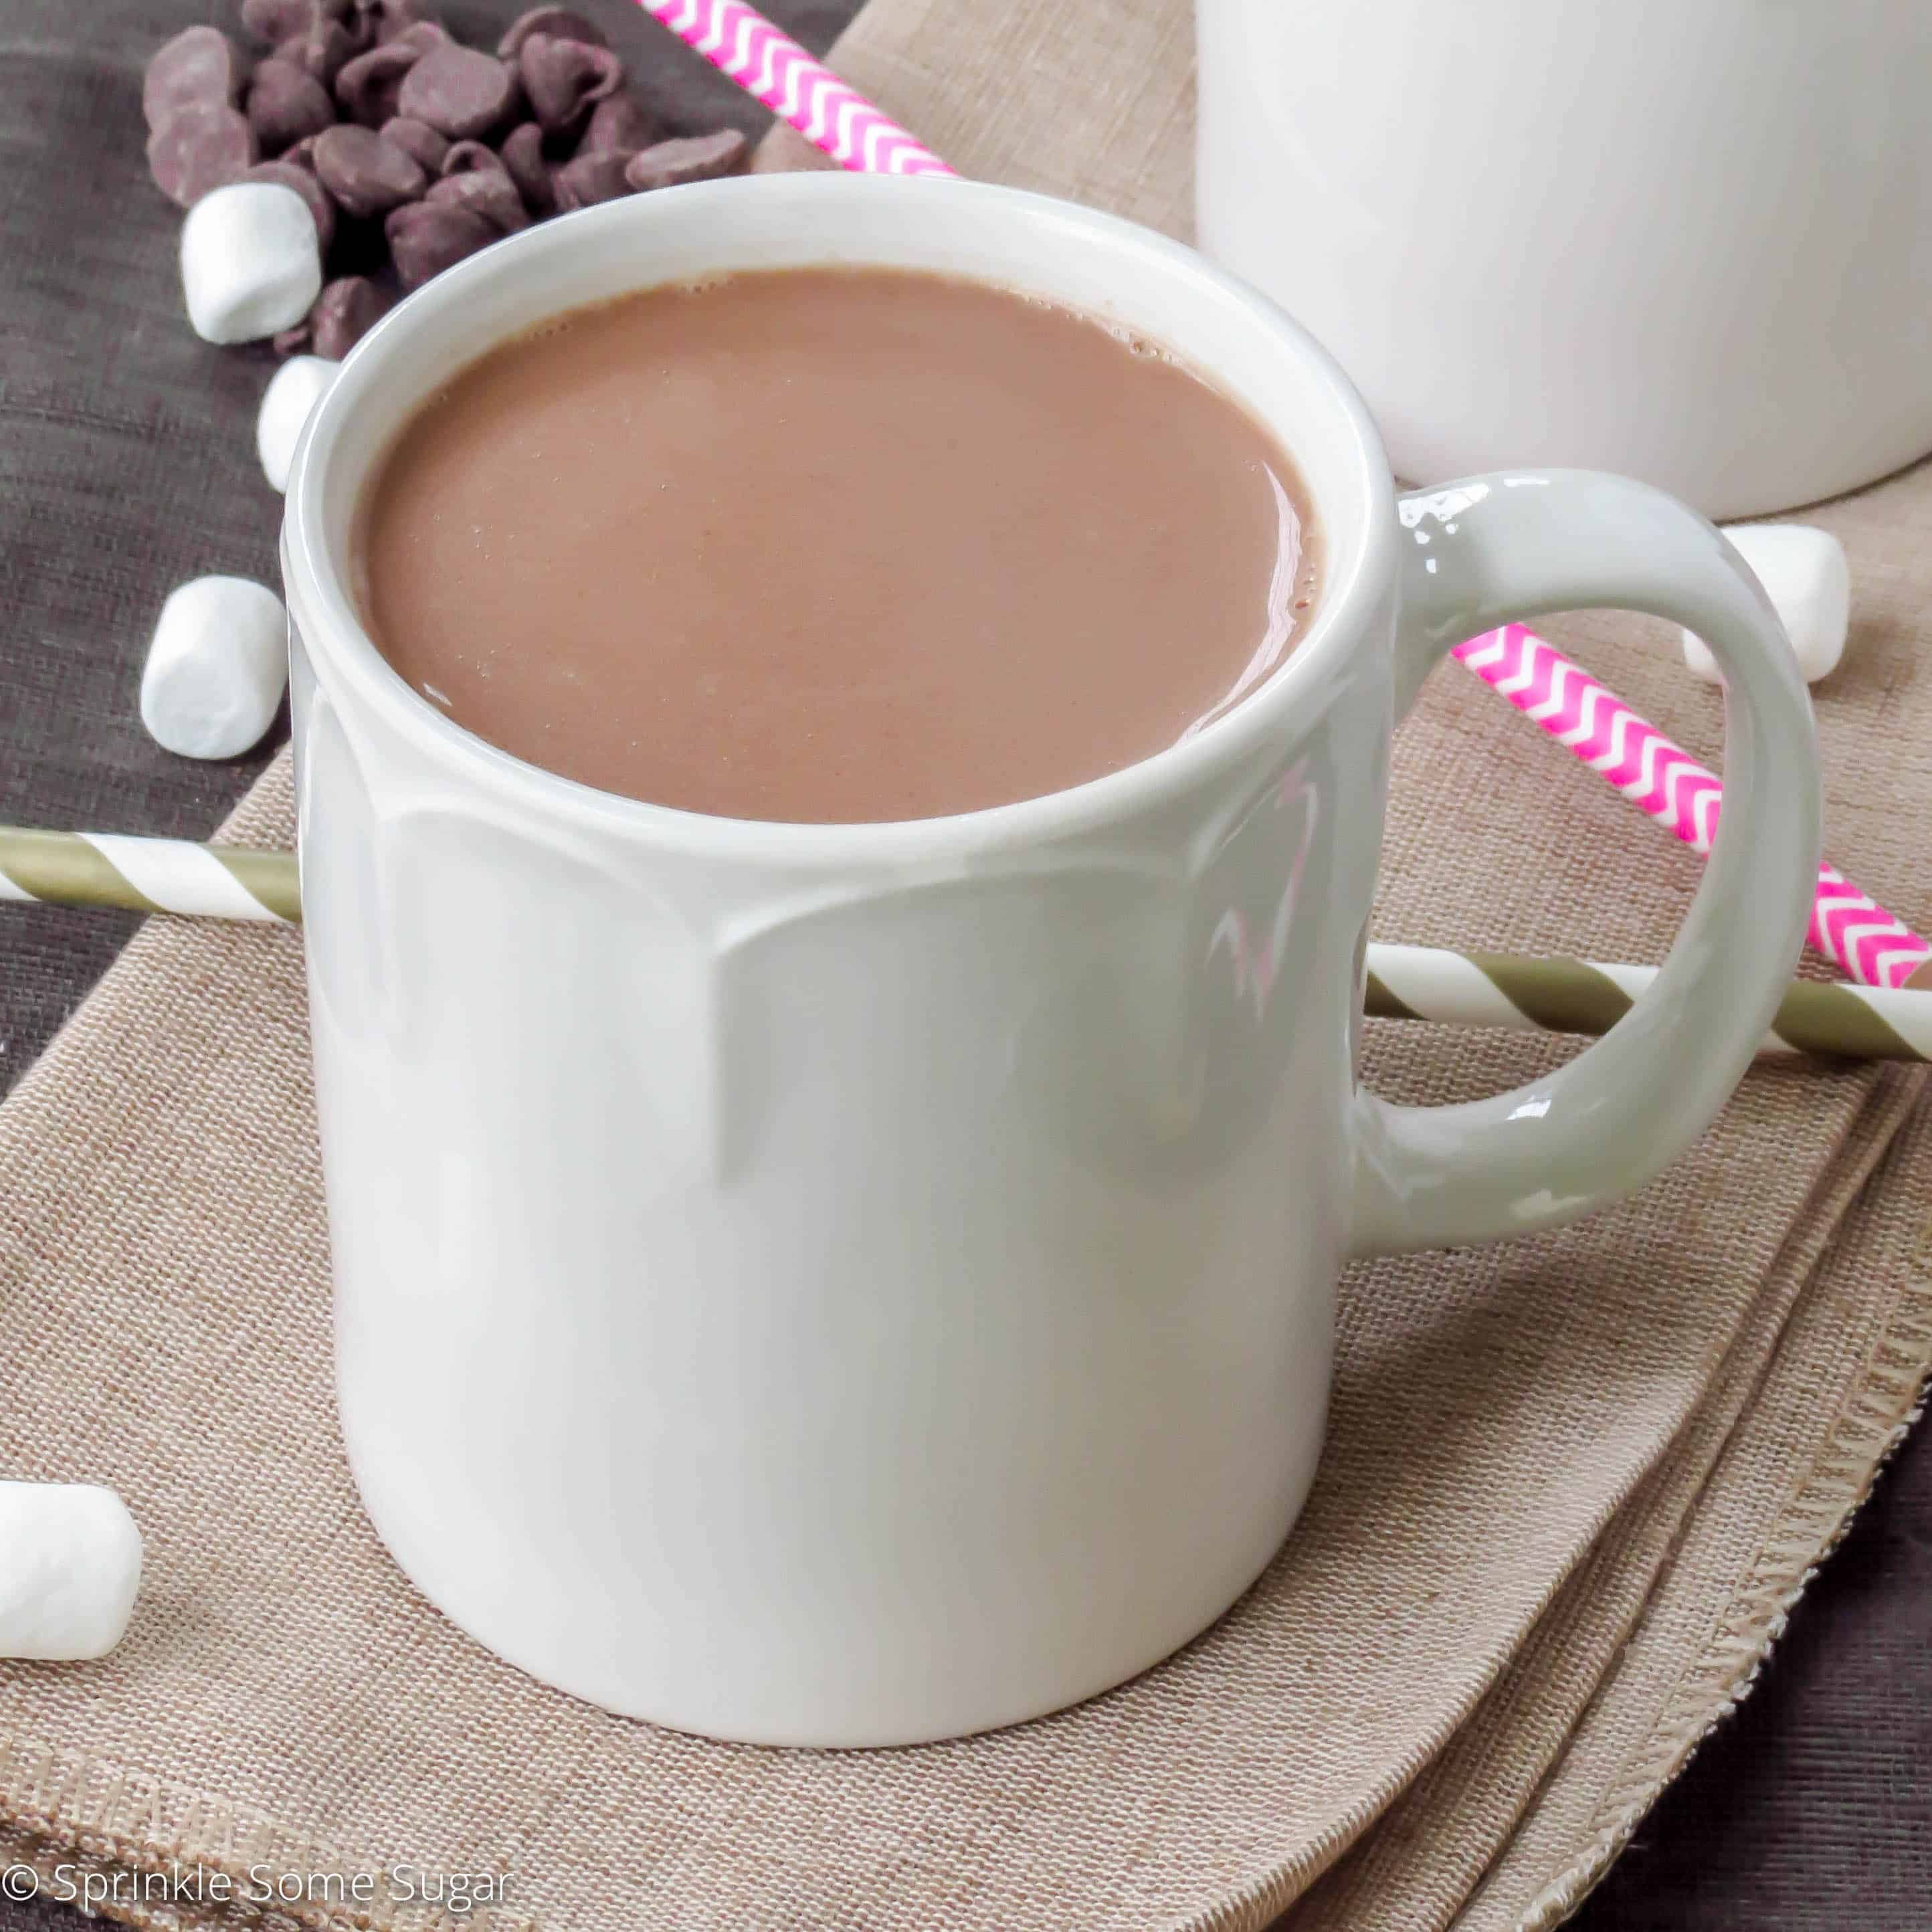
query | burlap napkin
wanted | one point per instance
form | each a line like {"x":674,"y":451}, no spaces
{"x":1571,"y":1487}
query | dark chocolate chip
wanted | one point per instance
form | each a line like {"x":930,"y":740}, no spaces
{"x":371,"y":84}
{"x":700,"y":158}
{"x":558,"y":21}
{"x":427,"y":237}
{"x":461,"y":92}
{"x":588,"y":179}
{"x":619,"y":124}
{"x":276,"y":21}
{"x":345,"y":311}
{"x":490,"y":192}
{"x":469,"y":157}
{"x":201,"y":67}
{"x":424,"y":35}
{"x":364,"y":172}
{"x":419,"y":140}
{"x":200,"y":149}
{"x":387,"y":19}
{"x":321,"y":204}
{"x":522,"y":156}
{"x":286,"y":106}
{"x":565,"y":79}
{"x":323,"y":52}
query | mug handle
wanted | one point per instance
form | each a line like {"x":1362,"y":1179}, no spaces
{"x":1493,"y":549}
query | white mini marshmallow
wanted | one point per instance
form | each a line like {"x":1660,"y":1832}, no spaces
{"x":250,"y":260}
{"x":217,"y":668}
{"x":1805,"y":574}
{"x":70,"y":1566}
{"x":293,"y":391}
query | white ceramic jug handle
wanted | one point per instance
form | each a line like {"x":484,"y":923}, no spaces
{"x":1492,"y":549}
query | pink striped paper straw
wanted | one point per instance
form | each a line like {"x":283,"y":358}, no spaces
{"x":1850,"y":929}
{"x":772,"y":67}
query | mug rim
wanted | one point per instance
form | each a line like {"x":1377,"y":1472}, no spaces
{"x":331,"y":626}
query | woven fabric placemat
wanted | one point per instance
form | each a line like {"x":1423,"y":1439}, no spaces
{"x":1570,"y":1483}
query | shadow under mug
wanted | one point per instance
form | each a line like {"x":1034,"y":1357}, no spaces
{"x":860,"y":1284}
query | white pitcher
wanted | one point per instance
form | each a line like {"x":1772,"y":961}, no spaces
{"x":1689,"y":241}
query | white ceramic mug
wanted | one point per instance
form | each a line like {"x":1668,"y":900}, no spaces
{"x":1691,"y":241}
{"x":857,"y":1284}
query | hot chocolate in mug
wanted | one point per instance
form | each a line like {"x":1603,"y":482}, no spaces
{"x":859,"y":1284}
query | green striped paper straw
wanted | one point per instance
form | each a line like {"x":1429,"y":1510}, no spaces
{"x":1404,"y":983}
{"x":102,"y":869}
{"x":1582,"y":996}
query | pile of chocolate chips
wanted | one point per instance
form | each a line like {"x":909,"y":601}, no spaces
{"x":411,"y":150}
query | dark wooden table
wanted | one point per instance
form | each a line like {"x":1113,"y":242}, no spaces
{"x":127,"y":464}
